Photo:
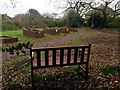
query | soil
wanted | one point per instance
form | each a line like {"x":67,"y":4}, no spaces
{"x":104,"y":53}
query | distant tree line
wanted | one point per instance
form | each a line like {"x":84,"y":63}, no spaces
{"x":77,"y":13}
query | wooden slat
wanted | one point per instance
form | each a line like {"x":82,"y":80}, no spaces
{"x":64,"y":47}
{"x":46,"y":58}
{"x":68,"y":56}
{"x":82,"y":55}
{"x":75,"y":55}
{"x":61,"y":56}
{"x":54,"y":57}
{"x":38,"y":59}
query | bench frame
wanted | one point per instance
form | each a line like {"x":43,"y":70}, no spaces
{"x":64,"y":51}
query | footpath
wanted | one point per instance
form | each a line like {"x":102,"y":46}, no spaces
{"x":57,"y":41}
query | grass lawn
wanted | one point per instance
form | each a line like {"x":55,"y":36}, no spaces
{"x":22,"y":38}
{"x":104,"y":60}
{"x":18,"y":34}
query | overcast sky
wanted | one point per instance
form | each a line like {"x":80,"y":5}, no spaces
{"x":22,"y":6}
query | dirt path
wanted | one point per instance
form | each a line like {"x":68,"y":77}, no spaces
{"x":57,"y":41}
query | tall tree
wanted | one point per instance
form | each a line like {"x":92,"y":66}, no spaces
{"x":117,"y":9}
{"x":80,"y":7}
{"x":33,"y":17}
{"x":105,"y":4}
{"x":73,"y":19}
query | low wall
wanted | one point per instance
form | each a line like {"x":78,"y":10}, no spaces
{"x":63,"y":30}
{"x":33,"y":33}
{"x":8,"y":39}
{"x":51,"y":31}
{"x":72,"y":30}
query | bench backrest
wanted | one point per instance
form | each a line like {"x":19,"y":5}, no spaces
{"x":59,"y":56}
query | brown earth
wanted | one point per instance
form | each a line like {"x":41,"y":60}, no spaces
{"x":104,"y":53}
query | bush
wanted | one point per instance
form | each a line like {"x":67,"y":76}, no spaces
{"x":76,"y":68}
{"x":110,"y":70}
{"x":9,"y":26}
{"x":112,"y":22}
{"x":59,"y":23}
{"x":117,"y":21}
{"x":111,"y":25}
{"x":95,"y":20}
{"x":74,"y":20}
{"x":20,"y":47}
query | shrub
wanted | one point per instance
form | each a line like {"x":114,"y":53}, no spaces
{"x":59,"y":23}
{"x":9,"y":26}
{"x":48,"y":75}
{"x":95,"y":20}
{"x":74,"y":20}
{"x":112,"y":22}
{"x":111,"y":25}
{"x":76,"y":68}
{"x":110,"y":70}
{"x":66,"y":72}
{"x":117,"y":21}
{"x":18,"y":48}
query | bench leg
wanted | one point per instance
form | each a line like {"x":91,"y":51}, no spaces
{"x":86,"y":73}
{"x":32,"y":80}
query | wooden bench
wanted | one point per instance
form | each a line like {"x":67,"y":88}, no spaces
{"x":59,"y":56}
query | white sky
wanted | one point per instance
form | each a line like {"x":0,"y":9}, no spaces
{"x":22,"y":6}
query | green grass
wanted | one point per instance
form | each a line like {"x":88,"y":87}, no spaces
{"x":67,"y":71}
{"x":19,"y":35}
{"x":76,"y":68}
{"x":48,"y":75}
{"x":87,"y":35}
{"x":21,"y":38}
{"x":110,"y":70}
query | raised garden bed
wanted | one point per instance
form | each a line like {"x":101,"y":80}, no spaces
{"x":72,"y":30}
{"x":33,"y":33}
{"x":8,"y":39}
{"x":63,"y":30}
{"x":51,"y":31}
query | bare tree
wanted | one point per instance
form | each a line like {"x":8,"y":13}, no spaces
{"x":103,"y":10}
{"x":13,"y":3}
{"x":9,"y":3}
{"x":117,"y":9}
{"x":79,"y":6}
